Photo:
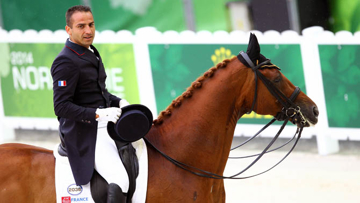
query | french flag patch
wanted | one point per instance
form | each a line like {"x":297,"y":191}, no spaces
{"x":62,"y":83}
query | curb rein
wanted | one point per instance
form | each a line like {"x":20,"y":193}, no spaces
{"x":289,"y":110}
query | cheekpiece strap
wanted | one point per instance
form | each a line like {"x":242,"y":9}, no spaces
{"x":247,"y":59}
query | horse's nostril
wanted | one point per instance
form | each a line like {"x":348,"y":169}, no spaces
{"x":316,"y":111}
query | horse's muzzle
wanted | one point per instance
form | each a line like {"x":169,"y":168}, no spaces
{"x":307,"y":117}
{"x":302,"y":117}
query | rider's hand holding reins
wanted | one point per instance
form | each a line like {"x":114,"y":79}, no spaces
{"x":109,"y":114}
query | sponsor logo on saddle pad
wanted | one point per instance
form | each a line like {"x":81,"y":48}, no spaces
{"x":74,"y":189}
{"x":78,"y":199}
{"x":65,"y":199}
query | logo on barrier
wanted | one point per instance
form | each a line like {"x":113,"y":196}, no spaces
{"x":221,"y":54}
{"x":74,"y":189}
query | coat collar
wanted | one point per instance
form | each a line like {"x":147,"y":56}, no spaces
{"x":83,"y":52}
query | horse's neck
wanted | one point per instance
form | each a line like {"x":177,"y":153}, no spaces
{"x":200,"y":131}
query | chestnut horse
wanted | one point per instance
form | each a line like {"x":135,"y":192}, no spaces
{"x":197,"y":128}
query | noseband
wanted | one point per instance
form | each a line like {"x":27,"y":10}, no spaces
{"x":289,"y":110}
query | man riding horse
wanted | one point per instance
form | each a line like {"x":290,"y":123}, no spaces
{"x":84,"y":107}
{"x":193,"y":133}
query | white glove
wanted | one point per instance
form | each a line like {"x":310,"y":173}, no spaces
{"x":109,"y":114}
{"x":123,"y":103}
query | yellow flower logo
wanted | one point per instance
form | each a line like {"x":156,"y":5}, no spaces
{"x":256,"y":116}
{"x":220,"y":55}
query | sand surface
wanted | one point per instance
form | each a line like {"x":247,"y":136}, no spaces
{"x":302,"y":177}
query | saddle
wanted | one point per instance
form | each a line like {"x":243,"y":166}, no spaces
{"x":98,"y":185}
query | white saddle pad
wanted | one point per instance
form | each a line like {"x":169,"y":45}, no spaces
{"x":68,"y":192}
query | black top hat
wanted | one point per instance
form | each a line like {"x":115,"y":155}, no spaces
{"x":134,"y":123}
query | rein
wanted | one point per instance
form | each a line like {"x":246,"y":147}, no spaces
{"x":207,"y":174}
{"x":289,"y":110}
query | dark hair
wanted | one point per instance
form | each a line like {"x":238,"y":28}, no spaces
{"x":74,"y":9}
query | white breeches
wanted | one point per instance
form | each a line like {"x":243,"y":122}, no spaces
{"x":107,"y":161}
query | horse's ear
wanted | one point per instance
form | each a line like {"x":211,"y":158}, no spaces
{"x":253,"y":49}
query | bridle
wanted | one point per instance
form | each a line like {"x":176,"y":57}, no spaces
{"x":289,"y":110}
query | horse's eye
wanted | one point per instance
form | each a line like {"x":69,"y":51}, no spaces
{"x":277,"y":79}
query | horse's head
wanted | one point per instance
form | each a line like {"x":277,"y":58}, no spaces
{"x":274,"y":94}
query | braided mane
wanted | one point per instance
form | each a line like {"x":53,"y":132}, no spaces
{"x":189,"y":91}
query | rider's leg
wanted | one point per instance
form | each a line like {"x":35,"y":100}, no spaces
{"x":107,"y":161}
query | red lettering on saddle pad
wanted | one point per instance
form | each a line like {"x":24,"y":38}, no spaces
{"x":65,"y":199}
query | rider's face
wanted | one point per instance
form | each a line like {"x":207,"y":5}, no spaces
{"x":82,"y":30}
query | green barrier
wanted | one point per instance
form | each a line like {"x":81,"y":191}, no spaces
{"x":340,"y":69}
{"x":119,"y":62}
{"x":26,"y":83}
{"x":176,"y":66}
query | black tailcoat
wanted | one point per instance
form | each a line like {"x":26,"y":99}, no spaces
{"x":79,"y":89}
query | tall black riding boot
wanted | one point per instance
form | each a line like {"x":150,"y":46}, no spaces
{"x":115,"y":194}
